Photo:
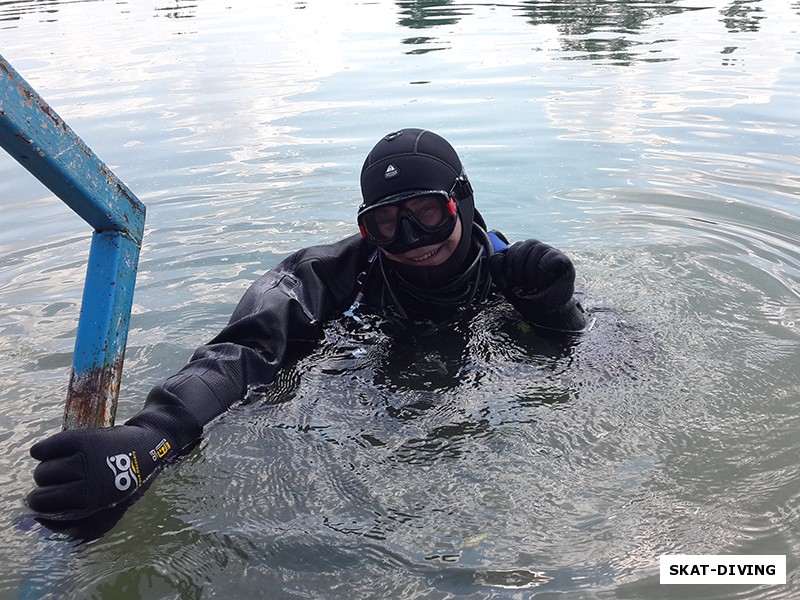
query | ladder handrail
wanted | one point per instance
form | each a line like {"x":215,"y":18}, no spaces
{"x":34,"y":135}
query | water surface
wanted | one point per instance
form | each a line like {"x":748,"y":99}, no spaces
{"x":655,"y":142}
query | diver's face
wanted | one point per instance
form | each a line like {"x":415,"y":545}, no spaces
{"x":429,"y":256}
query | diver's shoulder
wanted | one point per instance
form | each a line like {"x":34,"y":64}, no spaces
{"x":353,"y":247}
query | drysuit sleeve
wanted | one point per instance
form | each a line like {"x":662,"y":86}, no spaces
{"x":84,"y":471}
{"x":289,"y":304}
{"x":539,"y":281}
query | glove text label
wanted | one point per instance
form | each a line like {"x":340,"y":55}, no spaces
{"x":126,"y":471}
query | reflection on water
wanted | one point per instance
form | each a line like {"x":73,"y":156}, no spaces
{"x":453,"y":463}
{"x":656,"y":142}
{"x":588,"y":30}
{"x":575,"y":20}
{"x":14,"y":10}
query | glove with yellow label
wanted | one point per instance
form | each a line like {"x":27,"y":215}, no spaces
{"x":83,"y":471}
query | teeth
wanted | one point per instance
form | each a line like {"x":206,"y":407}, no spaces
{"x":425,"y":256}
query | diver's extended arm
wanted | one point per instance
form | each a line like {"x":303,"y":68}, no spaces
{"x":84,"y":471}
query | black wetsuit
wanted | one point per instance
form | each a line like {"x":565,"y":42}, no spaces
{"x":290,"y":304}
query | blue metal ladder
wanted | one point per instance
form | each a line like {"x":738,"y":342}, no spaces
{"x":33,"y":134}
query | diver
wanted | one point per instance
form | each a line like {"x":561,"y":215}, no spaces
{"x":423,"y":253}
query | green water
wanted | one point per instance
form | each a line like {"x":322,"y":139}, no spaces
{"x":654,"y":142}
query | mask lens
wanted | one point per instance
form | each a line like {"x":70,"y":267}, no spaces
{"x":429,"y":211}
{"x":381,"y":223}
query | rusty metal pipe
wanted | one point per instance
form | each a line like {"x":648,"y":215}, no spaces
{"x":34,"y":135}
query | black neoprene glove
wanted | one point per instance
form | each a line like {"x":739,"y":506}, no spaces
{"x":535,"y":272}
{"x":87,"y":470}
{"x":539,"y":281}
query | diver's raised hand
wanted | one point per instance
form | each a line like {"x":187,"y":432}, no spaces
{"x":535,"y":272}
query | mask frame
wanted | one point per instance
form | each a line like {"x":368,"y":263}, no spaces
{"x":409,"y":220}
{"x":408,"y":228}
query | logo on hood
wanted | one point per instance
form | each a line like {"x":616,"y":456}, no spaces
{"x":391,"y":172}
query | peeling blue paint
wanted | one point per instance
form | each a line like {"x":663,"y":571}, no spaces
{"x":34,"y":135}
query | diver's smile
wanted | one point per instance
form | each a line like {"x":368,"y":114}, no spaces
{"x":427,"y":255}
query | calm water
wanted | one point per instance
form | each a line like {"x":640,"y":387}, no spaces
{"x":655,"y":142}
